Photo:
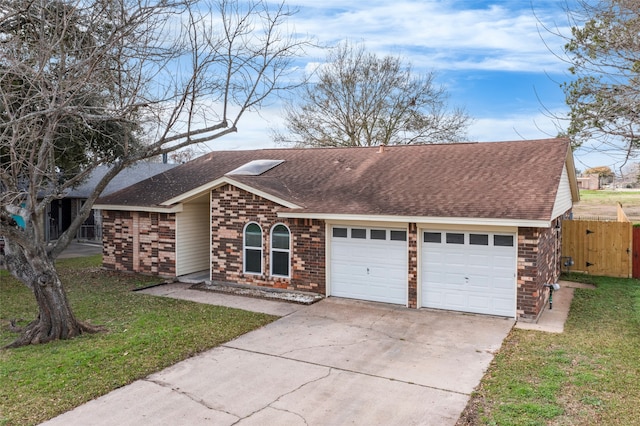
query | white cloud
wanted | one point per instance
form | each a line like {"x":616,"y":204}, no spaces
{"x":441,"y":34}
{"x":514,"y":127}
{"x":444,"y":35}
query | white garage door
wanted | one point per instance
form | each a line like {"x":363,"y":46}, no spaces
{"x":369,"y":264}
{"x":469,"y":272}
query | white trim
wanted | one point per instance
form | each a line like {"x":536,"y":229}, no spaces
{"x":468,"y":228}
{"x":279,"y":250}
{"x":111,"y":207}
{"x":244,"y":249}
{"x":228,"y":181}
{"x":175,"y":247}
{"x":211,"y":236}
{"x":571,"y":171}
{"x":466,"y":221}
{"x":327,"y":259}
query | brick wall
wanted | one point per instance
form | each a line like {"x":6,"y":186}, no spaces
{"x":231,"y":210}
{"x":140,"y":242}
{"x":539,"y":251}
{"x":413,"y":266}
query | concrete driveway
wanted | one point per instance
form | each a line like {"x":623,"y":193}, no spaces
{"x":336,"y":362}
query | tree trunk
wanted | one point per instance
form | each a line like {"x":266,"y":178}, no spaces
{"x":55,"y":318}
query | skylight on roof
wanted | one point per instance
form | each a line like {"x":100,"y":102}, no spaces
{"x":255,"y":167}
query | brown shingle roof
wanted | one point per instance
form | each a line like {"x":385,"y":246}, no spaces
{"x":503,"y":180}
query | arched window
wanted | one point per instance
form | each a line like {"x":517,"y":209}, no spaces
{"x":280,"y":250}
{"x":253,"y":249}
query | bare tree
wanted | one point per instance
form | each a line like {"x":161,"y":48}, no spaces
{"x":360,"y":99}
{"x":91,"y":82}
{"x":603,"y":52}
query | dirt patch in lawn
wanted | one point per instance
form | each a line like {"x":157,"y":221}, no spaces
{"x":604,"y":204}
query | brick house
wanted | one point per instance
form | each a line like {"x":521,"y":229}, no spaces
{"x":471,"y":227}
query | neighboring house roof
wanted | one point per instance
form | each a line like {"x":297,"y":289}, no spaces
{"x":127,"y":177}
{"x":501,"y":180}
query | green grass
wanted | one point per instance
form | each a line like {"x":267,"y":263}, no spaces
{"x":610,"y":197}
{"x":603,"y":203}
{"x":587,"y":375}
{"x":144,"y":334}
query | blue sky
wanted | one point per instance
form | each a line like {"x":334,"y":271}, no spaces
{"x":493,"y":57}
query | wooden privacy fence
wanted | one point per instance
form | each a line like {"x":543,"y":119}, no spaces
{"x":598,"y":248}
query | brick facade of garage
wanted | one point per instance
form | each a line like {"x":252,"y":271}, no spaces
{"x":539,"y":260}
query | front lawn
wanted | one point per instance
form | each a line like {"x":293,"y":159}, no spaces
{"x":144,"y":334}
{"x":590,"y":374}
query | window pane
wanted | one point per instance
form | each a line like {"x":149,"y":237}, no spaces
{"x":503,"y":240}
{"x":253,"y":240}
{"x":340,"y":232}
{"x":359,"y":233}
{"x":398,"y":235}
{"x":254,"y":228}
{"x":378,"y":234}
{"x":479,"y":239}
{"x":455,"y":238}
{"x":280,"y":263}
{"x":280,"y":237}
{"x":253,"y":261}
{"x":253,"y":235}
{"x":432,"y":237}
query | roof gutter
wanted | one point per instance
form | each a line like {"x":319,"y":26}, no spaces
{"x":177,"y":208}
{"x":526,"y":223}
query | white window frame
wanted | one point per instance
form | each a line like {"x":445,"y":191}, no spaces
{"x":245,"y":248}
{"x":279,"y":250}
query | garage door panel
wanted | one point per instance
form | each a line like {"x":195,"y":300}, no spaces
{"x":479,"y":283}
{"x":480,"y":260}
{"x":504,"y":305}
{"x":455,"y":300}
{"x":478,"y":271}
{"x":505,"y":262}
{"x":452,"y":279}
{"x":476,"y":276}
{"x":479,"y":303}
{"x":434,"y":298}
{"x":454,"y":260}
{"x":503,"y":283}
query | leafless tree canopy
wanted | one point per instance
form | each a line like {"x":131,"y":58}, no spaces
{"x":360,"y":99}
{"x":603,"y":52}
{"x":91,"y":82}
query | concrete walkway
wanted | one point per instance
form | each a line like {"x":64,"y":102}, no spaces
{"x":182,"y":291}
{"x":552,"y":320}
{"x":81,"y":249}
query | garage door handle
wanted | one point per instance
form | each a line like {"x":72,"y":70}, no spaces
{"x":367,"y":271}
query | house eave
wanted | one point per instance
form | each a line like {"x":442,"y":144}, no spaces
{"x":573,"y":180}
{"x":468,"y":221}
{"x":228,"y":181}
{"x":177,"y":208}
